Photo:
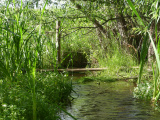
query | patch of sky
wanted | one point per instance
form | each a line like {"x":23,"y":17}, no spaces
{"x":36,"y":4}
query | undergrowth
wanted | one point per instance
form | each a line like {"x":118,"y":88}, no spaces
{"x":119,"y":64}
{"x":52,"y":90}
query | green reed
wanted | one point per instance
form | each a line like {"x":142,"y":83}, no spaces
{"x":24,"y":47}
{"x":144,"y":52}
{"x":16,"y":50}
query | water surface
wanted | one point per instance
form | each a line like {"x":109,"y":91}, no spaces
{"x":108,"y":101}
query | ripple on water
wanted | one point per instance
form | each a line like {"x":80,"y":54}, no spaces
{"x":108,"y":101}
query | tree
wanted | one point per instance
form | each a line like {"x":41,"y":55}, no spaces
{"x":122,"y":19}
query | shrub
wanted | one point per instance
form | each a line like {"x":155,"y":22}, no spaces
{"x":52,"y":89}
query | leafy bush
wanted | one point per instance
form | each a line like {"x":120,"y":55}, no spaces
{"x":52,"y":89}
{"x":144,"y":91}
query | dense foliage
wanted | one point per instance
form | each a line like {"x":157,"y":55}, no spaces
{"x":26,"y":94}
{"x":16,"y":97}
{"x":103,"y":33}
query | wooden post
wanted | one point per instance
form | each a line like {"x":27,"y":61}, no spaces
{"x":58,"y":42}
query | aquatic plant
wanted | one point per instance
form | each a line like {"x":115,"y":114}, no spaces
{"x":51,"y":90}
{"x":148,"y":36}
{"x":24,"y":93}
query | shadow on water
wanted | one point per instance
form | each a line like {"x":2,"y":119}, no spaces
{"x":108,"y":101}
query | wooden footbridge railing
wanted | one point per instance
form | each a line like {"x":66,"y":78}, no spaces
{"x":82,"y":69}
{"x":74,"y":69}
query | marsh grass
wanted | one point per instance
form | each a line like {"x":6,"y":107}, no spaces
{"x":145,"y":87}
{"x":26,"y":94}
{"x":51,"y":90}
{"x":116,"y":65}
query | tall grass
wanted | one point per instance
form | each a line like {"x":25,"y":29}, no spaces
{"x":23,"y":47}
{"x":144,"y":52}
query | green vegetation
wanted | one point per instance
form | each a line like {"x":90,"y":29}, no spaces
{"x":96,"y":79}
{"x":149,"y":89}
{"x":117,"y":35}
{"x":25,"y":93}
{"x":51,"y":90}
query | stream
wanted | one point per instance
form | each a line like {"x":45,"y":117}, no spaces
{"x":108,"y":101}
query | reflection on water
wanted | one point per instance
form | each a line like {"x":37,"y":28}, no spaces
{"x":108,"y":101}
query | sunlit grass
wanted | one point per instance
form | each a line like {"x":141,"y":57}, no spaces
{"x":24,"y":93}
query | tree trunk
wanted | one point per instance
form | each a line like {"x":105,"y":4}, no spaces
{"x":100,"y":37}
{"x":58,"y":42}
{"x":94,"y":21}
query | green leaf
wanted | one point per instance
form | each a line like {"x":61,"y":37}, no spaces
{"x":155,"y":50}
{"x":144,"y":52}
{"x":135,"y":11}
